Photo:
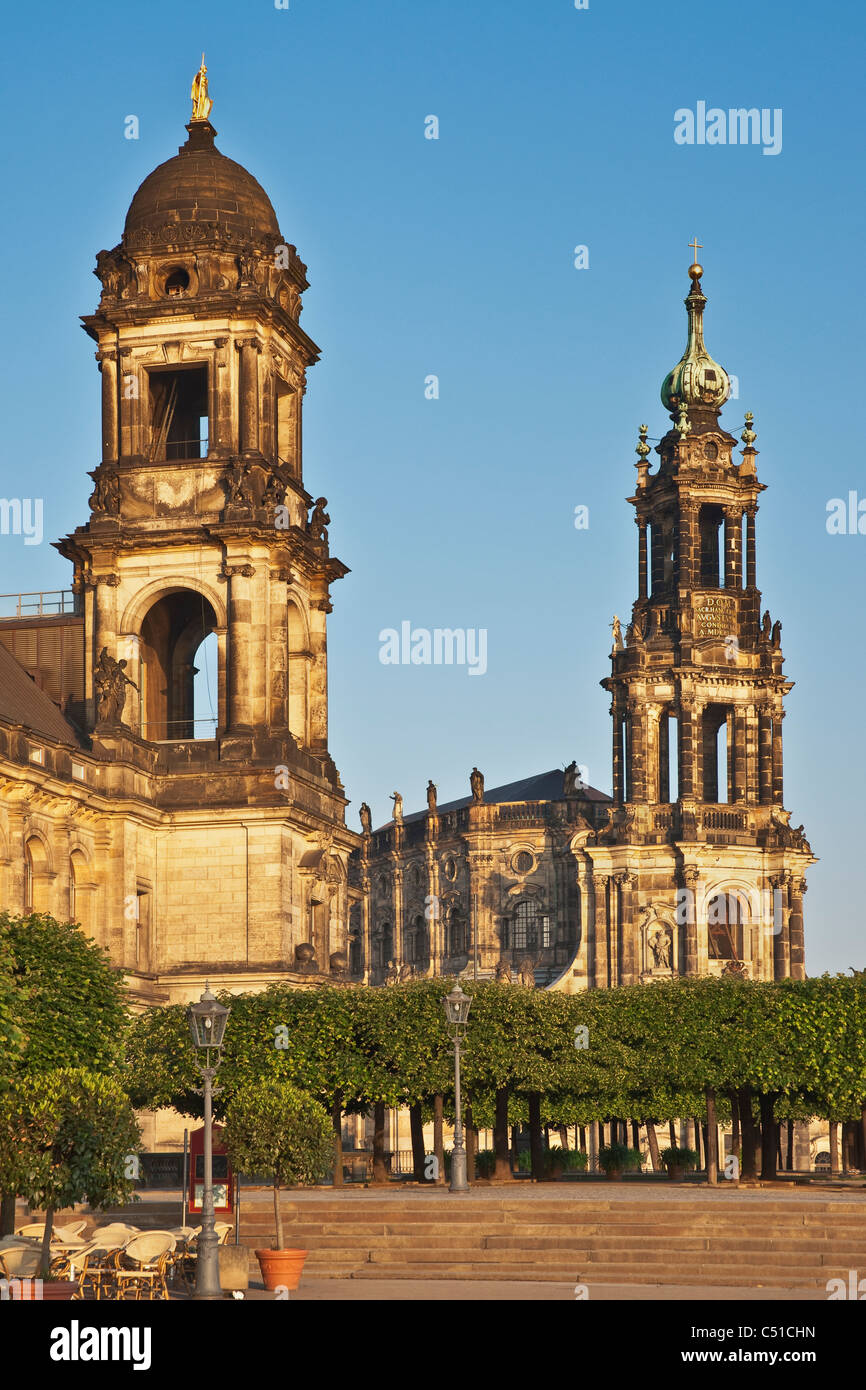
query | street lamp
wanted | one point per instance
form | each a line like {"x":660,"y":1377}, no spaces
{"x":457,"y":1006}
{"x":207,"y":1023}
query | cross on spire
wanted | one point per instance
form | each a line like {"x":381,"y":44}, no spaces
{"x":696,"y":247}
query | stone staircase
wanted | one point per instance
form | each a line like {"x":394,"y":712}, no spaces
{"x":580,"y":1233}
{"x":708,"y":1239}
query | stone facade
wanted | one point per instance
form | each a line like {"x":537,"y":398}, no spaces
{"x":186,"y":855}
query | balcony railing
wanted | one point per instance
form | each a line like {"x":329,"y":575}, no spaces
{"x":48,"y":603}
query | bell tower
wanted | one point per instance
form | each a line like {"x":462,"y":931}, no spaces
{"x":712,"y":876}
{"x":233,"y":840}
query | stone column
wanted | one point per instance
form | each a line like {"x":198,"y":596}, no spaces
{"x":616,"y":714}
{"x":685,"y":753}
{"x":750,"y":547}
{"x":797,"y":937}
{"x":688,"y":545}
{"x":110,"y":413}
{"x":641,"y":557}
{"x":600,"y":931}
{"x":249,"y":396}
{"x":781,"y":929}
{"x":778,"y":786}
{"x":661,"y":789}
{"x":318,"y":668}
{"x":240,"y":614}
{"x":637,"y":771}
{"x":765,"y":754}
{"x":733,"y":548}
{"x":278,"y":650}
{"x":219,"y":402}
{"x":627,"y":971}
{"x":397,"y":902}
{"x":134,"y":413}
{"x":750,"y":735}
{"x":691,"y":880}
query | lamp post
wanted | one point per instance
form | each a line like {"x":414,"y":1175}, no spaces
{"x":457,"y":1006}
{"x":207,"y":1023}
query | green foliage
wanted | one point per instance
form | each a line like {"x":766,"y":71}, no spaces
{"x":679,"y":1158}
{"x":68,"y":1003}
{"x":568,"y":1160}
{"x":64,"y":1136}
{"x":651,"y":1050}
{"x":618,"y":1158}
{"x":274,"y":1130}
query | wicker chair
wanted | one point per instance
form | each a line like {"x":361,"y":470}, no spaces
{"x":143,"y":1264}
{"x":20,"y":1261}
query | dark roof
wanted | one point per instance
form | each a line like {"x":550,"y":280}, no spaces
{"x":201,"y":185}
{"x":22,"y":702}
{"x":544,"y":786}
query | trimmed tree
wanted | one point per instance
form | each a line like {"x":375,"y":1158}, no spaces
{"x":275,"y":1131}
{"x":66,"y":1136}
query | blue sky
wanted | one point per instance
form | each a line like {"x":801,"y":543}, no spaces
{"x":454,"y":257}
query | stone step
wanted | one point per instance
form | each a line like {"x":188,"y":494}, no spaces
{"x":612,"y":1274}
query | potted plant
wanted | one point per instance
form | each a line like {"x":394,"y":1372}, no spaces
{"x":275,"y":1130}
{"x":616,"y":1159}
{"x":562,"y":1161}
{"x":678,"y":1161}
{"x":66,"y":1136}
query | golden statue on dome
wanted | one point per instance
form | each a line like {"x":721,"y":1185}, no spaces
{"x":201,"y":102}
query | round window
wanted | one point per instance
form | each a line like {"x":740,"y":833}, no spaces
{"x":523,"y":862}
{"x":177,"y":282}
{"x":450,"y":868}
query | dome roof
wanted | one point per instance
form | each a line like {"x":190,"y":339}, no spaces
{"x":201,"y":185}
{"x":696,"y":381}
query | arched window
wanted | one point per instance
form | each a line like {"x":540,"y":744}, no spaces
{"x":37,"y":878}
{"x":524,"y":927}
{"x":725,"y":917}
{"x":174,"y":630}
{"x":417,"y":948}
{"x":79,"y":890}
{"x":457,"y":934}
{"x":709,"y":524}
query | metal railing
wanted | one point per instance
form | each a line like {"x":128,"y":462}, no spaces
{"x":48,"y":603}
{"x":168,"y":724}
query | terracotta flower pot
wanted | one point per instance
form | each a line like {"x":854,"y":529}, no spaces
{"x":45,"y":1290}
{"x":676,"y":1173}
{"x":281,"y":1268}
{"x":613,"y":1174}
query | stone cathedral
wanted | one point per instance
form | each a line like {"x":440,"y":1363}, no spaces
{"x":187,"y":851}
{"x":693,"y":867}
{"x":222,"y":851}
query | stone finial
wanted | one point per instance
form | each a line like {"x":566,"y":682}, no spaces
{"x":682,"y":425}
{"x":748,"y":436}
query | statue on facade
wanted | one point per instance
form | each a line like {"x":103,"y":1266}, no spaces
{"x":398,"y":808}
{"x":105,"y":497}
{"x":319,"y":520}
{"x":765,"y":625}
{"x":407,"y":973}
{"x":366,"y":818}
{"x":660,"y":945}
{"x":616,"y":627}
{"x":431,"y":796}
{"x":526,"y":972}
{"x":476,"y":782}
{"x":237,"y":486}
{"x":201,"y":102}
{"x":776,"y":637}
{"x":503,"y":972}
{"x":274,"y":493}
{"x":111,"y":682}
{"x":572,"y":782}
{"x":392,"y":974}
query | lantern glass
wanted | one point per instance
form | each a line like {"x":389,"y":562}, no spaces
{"x":207,"y":1021}
{"x":457,"y":1006}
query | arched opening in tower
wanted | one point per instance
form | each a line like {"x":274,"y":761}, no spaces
{"x":172,"y":634}
{"x":710,"y":522}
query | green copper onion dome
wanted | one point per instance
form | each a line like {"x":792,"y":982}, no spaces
{"x":696,"y":381}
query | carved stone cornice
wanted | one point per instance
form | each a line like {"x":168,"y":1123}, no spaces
{"x":230,"y":571}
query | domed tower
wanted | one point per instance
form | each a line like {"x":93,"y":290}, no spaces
{"x":699,"y":871}
{"x":200,"y":524}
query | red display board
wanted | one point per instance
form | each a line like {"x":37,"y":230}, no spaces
{"x":223,"y":1176}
